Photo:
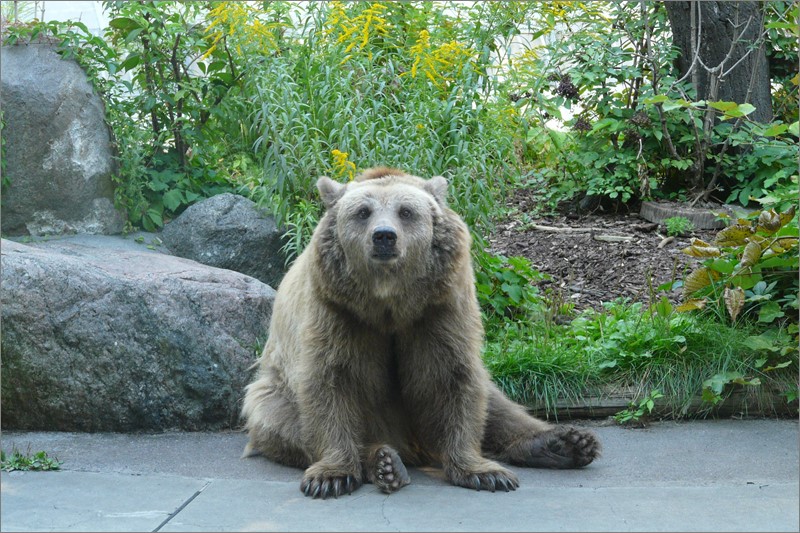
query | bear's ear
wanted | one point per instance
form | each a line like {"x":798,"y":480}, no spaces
{"x":437,"y":186}
{"x":330,"y":190}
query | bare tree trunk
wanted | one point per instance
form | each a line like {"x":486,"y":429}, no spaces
{"x":728,"y":56}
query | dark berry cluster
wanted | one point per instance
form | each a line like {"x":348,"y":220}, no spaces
{"x":566,"y":88}
{"x":581,"y":125}
{"x":516,"y":97}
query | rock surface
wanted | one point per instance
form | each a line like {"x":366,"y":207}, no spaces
{"x":701,"y":218}
{"x":58,"y":155}
{"x":229,"y":231}
{"x":101,"y":336}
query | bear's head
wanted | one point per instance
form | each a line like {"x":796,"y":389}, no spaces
{"x":384,"y":219}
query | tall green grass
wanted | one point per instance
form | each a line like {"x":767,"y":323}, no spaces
{"x":628,"y":348}
{"x":317,"y":96}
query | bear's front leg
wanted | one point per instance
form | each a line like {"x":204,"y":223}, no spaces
{"x":332,"y":420}
{"x":445,"y":387}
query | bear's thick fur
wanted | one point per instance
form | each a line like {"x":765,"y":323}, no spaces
{"x":373,"y":357}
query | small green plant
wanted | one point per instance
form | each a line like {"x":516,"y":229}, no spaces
{"x":714,"y":386}
{"x":26,"y":461}
{"x":677,"y":226}
{"x":506,"y":287}
{"x":639,"y":412}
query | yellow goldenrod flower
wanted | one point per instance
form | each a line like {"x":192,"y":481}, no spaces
{"x":239,"y":21}
{"x":342,"y":166}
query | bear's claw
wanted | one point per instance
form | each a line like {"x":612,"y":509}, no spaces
{"x":323,"y":487}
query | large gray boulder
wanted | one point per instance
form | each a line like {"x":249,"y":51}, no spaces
{"x":102,"y":334}
{"x":229,"y":231}
{"x":57,"y":152}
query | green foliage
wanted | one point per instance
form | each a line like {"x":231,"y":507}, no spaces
{"x":174,"y":109}
{"x":750,"y":271}
{"x":506,"y":289}
{"x":262,"y":99}
{"x":634,"y":130}
{"x":639,"y":412}
{"x":677,"y":226}
{"x":628,"y":347}
{"x":406,"y":92}
{"x":713,"y":387}
{"x":300,"y":223}
{"x":27,"y":461}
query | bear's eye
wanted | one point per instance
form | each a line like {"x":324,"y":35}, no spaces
{"x":405,"y":213}
{"x":363,"y":213}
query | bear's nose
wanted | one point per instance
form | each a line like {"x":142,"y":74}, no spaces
{"x":384,"y":236}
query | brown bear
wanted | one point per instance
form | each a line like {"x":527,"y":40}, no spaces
{"x":373,"y":360}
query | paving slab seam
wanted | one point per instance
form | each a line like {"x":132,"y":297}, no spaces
{"x":180,"y":508}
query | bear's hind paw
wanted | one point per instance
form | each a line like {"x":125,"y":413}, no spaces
{"x":564,"y":447}
{"x":491,"y":480}
{"x":386,"y":470}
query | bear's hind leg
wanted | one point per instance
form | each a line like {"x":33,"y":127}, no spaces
{"x":513,"y":436}
{"x":384,"y":469}
{"x":273,"y":426}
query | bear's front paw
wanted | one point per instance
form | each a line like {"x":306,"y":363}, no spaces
{"x":492,"y":477}
{"x":564,"y":447}
{"x":320,"y":482}
{"x":386,"y":470}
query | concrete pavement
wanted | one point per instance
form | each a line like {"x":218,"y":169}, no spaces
{"x":726,"y":475}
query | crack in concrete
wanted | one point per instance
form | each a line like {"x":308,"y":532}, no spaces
{"x":180,"y":508}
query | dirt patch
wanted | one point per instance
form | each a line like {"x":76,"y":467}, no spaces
{"x":595,"y":257}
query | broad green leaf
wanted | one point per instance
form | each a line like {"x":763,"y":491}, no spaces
{"x":775,"y":130}
{"x":710,"y":397}
{"x":759,"y":343}
{"x":745,"y":109}
{"x":723,"y":106}
{"x":794,"y":129}
{"x":124,"y":23}
{"x":131,"y":61}
{"x":657,"y":99}
{"x":779,"y":262}
{"x":173,"y":199}
{"x":745,"y":281}
{"x":718,"y":381}
{"x":769,"y":312}
{"x":723,"y":266}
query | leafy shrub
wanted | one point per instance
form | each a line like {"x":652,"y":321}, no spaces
{"x":381,"y":84}
{"x":634,"y":131}
{"x":749,"y":271}
{"x":677,"y":226}
{"x":506,"y":289}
